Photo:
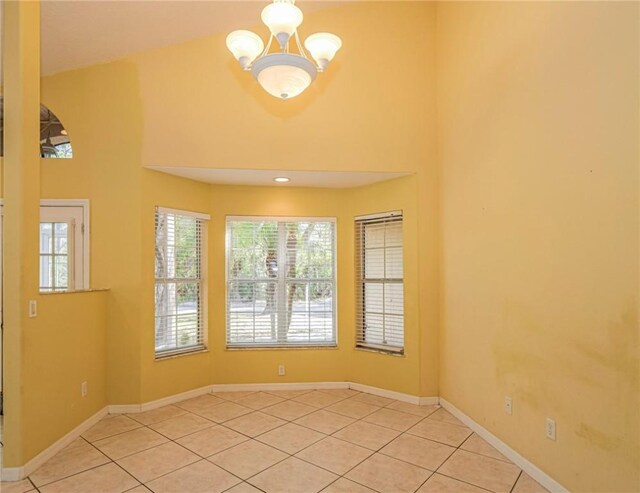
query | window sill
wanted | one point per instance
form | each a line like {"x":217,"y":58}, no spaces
{"x":74,"y":291}
{"x":280,"y":348}
{"x":372,"y":349}
{"x":179,"y":354}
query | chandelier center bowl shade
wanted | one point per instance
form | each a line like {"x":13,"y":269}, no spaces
{"x":283,"y":73}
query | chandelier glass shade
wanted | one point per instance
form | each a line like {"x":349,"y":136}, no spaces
{"x":283,"y":74}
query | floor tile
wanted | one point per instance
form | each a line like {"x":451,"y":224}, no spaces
{"x":476,"y":444}
{"x":374,"y":400}
{"x":346,"y":393}
{"x":180,"y":426}
{"x":442,"y":484}
{"x":288,"y":394}
{"x":418,"y":451}
{"x":77,"y":457}
{"x":292,"y":476}
{"x":344,"y":485}
{"x":200,"y":403}
{"x":319,"y":399}
{"x":248,"y":458}
{"x":254,"y":424}
{"x":109,"y":426}
{"x":244,"y":488}
{"x":290,"y":438}
{"x":199,"y":477}
{"x":446,"y":417}
{"x":21,"y":486}
{"x":405,"y":407}
{"x":335,"y":455}
{"x":392,"y":419}
{"x":492,"y":474}
{"x":212,"y":440}
{"x":156,"y":415}
{"x":157,"y":461}
{"x":353,"y":409}
{"x":130,"y":442}
{"x":367,"y":435}
{"x":139,"y":489}
{"x":224,"y":412}
{"x":108,"y":478}
{"x":440,"y":432}
{"x":526,"y":484}
{"x":234,"y":395}
{"x":388,"y":475}
{"x":259,"y":400}
{"x":289,"y":410}
{"x":325,"y":421}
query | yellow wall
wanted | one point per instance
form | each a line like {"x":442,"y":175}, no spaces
{"x":538,"y":146}
{"x":151,"y":109}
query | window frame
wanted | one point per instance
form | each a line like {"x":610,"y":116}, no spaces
{"x":360,"y":223}
{"x":281,"y":250}
{"x":203,"y":313}
{"x":84,"y":231}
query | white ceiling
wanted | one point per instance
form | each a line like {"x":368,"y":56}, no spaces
{"x":313,"y":179}
{"x":79,"y":33}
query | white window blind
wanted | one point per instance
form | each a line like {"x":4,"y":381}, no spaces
{"x":281,"y":288}
{"x":379,"y":282}
{"x":180,"y":301}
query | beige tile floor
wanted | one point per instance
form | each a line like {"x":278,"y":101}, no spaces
{"x":282,"y":441}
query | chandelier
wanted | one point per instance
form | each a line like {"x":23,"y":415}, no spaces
{"x":283,"y":74}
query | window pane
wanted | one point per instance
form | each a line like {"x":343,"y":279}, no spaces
{"x":61,"y":235}
{"x":61,"y":272}
{"x":46,"y":237}
{"x":178,"y":310}
{"x":380,"y":303}
{"x":280,"y":282}
{"x":46,"y":272}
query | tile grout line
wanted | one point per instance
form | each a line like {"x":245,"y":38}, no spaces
{"x":286,"y":421}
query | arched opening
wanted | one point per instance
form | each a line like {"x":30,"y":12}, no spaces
{"x":54,"y":139}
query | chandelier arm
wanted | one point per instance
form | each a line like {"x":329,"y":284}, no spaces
{"x":299,"y":44}
{"x":268,"y":47}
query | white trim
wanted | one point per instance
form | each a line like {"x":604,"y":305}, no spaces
{"x":428,"y":401}
{"x":234,"y":387}
{"x":164,"y":401}
{"x":391,"y":394}
{"x":535,"y":472}
{"x":379,"y":215}
{"x":182,"y":212}
{"x":18,"y":473}
{"x":311,"y":219}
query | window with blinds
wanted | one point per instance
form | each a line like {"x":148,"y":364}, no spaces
{"x":180,"y":300}
{"x":379,"y":282}
{"x":281,"y":282}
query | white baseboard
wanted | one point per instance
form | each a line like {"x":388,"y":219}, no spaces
{"x":392,"y":394}
{"x":428,"y":401}
{"x":235,"y":387}
{"x":18,"y":473}
{"x":535,"y":472}
{"x":164,"y":401}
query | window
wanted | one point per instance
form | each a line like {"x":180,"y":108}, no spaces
{"x":281,"y":287}
{"x":64,"y":245}
{"x":180,"y":292}
{"x":379,"y":282}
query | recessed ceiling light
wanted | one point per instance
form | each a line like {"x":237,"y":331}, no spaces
{"x":281,"y":179}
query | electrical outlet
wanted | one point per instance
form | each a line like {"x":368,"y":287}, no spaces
{"x":508,"y":406}
{"x":550,"y":429}
{"x":83,"y":389}
{"x":33,"y":308}
{"x":280,"y":370}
